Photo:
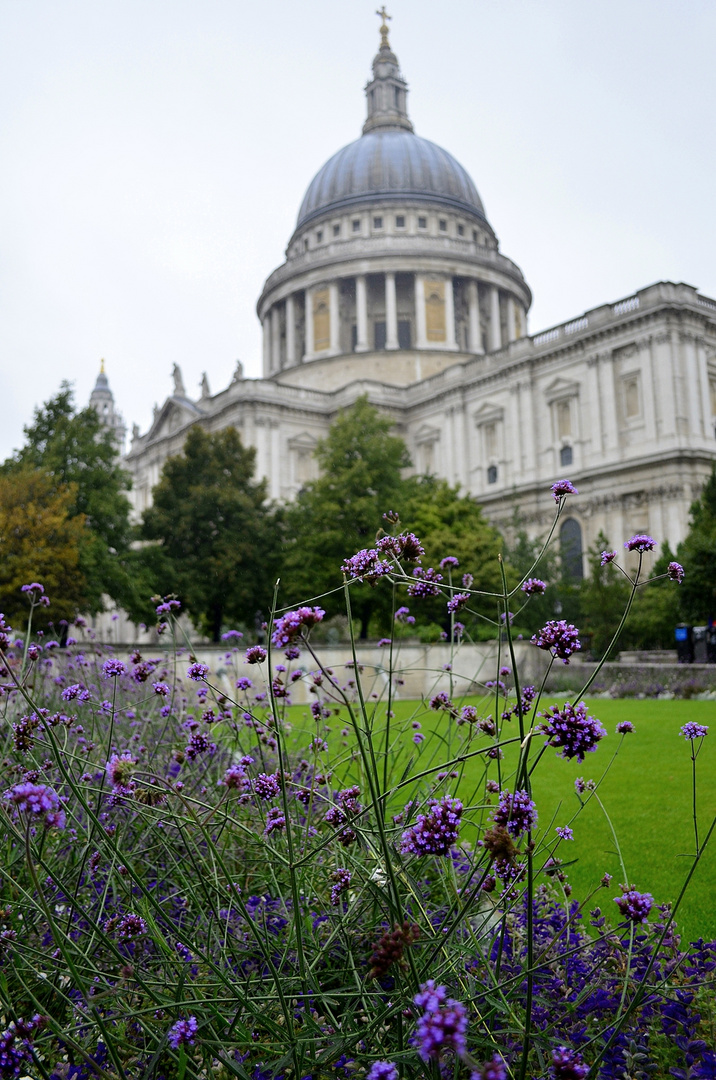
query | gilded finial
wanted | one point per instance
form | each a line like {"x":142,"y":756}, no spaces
{"x":383,"y":14}
{"x":101,"y":366}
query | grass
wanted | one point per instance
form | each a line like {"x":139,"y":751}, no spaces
{"x":647,"y":793}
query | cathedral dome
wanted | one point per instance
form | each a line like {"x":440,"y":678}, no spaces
{"x":388,"y":163}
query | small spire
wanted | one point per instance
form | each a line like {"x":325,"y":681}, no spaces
{"x":387,"y":91}
{"x":383,"y":14}
{"x":101,"y":366}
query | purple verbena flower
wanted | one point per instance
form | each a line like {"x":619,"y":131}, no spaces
{"x":633,"y":905}
{"x":232,"y":635}
{"x":558,"y":637}
{"x":77,"y":690}
{"x":517,"y":813}
{"x":625,"y":727}
{"x":403,"y":615}
{"x":406,"y":547}
{"x":564,"y":832}
{"x":120,"y":769}
{"x":382,"y":1070}
{"x":255,"y":655}
{"x":572,"y":730}
{"x":443,"y":1025}
{"x":293,"y":623}
{"x":457,"y":601}
{"x":161,"y":689}
{"x":197,"y":672}
{"x":183,"y":1033}
{"x":235,"y":778}
{"x":606,"y":557}
{"x":366,"y":566}
{"x":562,"y":488}
{"x":425,"y":583}
{"x":449,"y":563}
{"x":267,"y":787}
{"x":675,"y":572}
{"x":492,"y":1070}
{"x":275,"y":820}
{"x":533,"y":586}
{"x":130,"y":926}
{"x":37,"y":799}
{"x":112,"y":668}
{"x":567,"y":1065}
{"x":341,"y":879}
{"x":16,"y":1044}
{"x":199,"y":743}
{"x":692,"y":730}
{"x":641,"y":542}
{"x":436,"y":832}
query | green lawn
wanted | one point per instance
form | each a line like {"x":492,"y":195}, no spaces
{"x":647,"y":792}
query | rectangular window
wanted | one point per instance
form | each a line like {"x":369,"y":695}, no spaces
{"x":443,"y":225}
{"x":336,"y":230}
{"x":435,"y":325}
{"x":354,"y":337}
{"x":319,"y":236}
{"x":356,"y":225}
{"x":377,"y":223}
{"x":461,"y":230}
{"x":400,"y":221}
{"x":404,"y":335}
{"x":422,"y":223}
{"x":564,"y":419}
{"x":492,"y":474}
{"x":632,"y":400}
{"x":379,"y":330}
{"x":474,"y":234}
{"x":490,"y":441}
{"x":321,"y":320}
{"x":712,"y":388}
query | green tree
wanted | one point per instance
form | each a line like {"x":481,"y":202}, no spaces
{"x":449,"y":523}
{"x":656,"y":609}
{"x":41,"y":539}
{"x":603,"y":597}
{"x":215,"y":541}
{"x":361,"y":465}
{"x":697,"y":553}
{"x":78,"y":455}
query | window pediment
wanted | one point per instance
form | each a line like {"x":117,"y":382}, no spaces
{"x":561,"y":388}
{"x":489,"y":413}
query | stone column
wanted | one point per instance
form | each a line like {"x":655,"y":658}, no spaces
{"x":361,"y":314}
{"x":266,"y":324}
{"x":494,"y":333}
{"x":606,"y":382}
{"x":275,"y":339}
{"x":450,"y":342}
{"x":391,"y":313}
{"x":421,"y":333}
{"x":511,"y":321}
{"x":333,"y":307}
{"x":310,"y":349}
{"x":290,"y":331}
{"x":474,"y":341}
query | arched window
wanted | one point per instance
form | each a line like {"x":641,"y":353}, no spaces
{"x":565,"y":455}
{"x":570,"y":549}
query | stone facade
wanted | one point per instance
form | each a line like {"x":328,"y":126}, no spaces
{"x":394,"y":288}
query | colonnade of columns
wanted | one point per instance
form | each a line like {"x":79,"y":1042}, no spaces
{"x":432,"y":318}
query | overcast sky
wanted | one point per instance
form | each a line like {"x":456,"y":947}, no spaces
{"x":154,"y":153}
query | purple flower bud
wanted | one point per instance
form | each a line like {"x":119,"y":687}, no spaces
{"x":255,"y":655}
{"x":675,"y":572}
{"x":197,"y":672}
{"x":183,"y":1033}
{"x":641,"y":542}
{"x":562,"y":488}
{"x":112,"y":668}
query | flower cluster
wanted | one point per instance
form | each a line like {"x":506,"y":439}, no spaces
{"x":558,"y":637}
{"x":457,"y":601}
{"x":366,"y":565}
{"x":255,"y":655}
{"x":403,"y":615}
{"x":390,"y":949}
{"x":567,"y":1065}
{"x":341,"y":879}
{"x":641,"y":543}
{"x":183,"y":1033}
{"x":533,"y":586}
{"x":675,"y":572}
{"x":16,"y":1044}
{"x":492,"y":1070}
{"x":267,"y":787}
{"x":275,"y":821}
{"x":633,"y":905}
{"x":692,"y":730}
{"x":39,"y":800}
{"x":426,"y":583}
{"x":289,"y":626}
{"x":119,"y":769}
{"x":382,"y":1070}
{"x":517,"y":813}
{"x":437,"y":831}
{"x":606,"y":557}
{"x":406,"y":546}
{"x":197,"y":672}
{"x":625,"y":727}
{"x":571,"y":730}
{"x":443,"y":1025}
{"x":562,"y":488}
{"x":112,"y":668}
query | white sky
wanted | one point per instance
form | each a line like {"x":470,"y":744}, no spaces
{"x":154,"y":153}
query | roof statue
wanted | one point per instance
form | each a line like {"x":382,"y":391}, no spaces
{"x":179,"y":389}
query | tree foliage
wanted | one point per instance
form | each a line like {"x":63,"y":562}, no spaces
{"x":215,"y":539}
{"x":697,"y":553}
{"x":361,"y":465}
{"x":79,"y":458}
{"x":41,"y":539}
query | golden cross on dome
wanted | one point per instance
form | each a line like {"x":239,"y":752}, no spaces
{"x":383,"y":14}
{"x":101,"y":366}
